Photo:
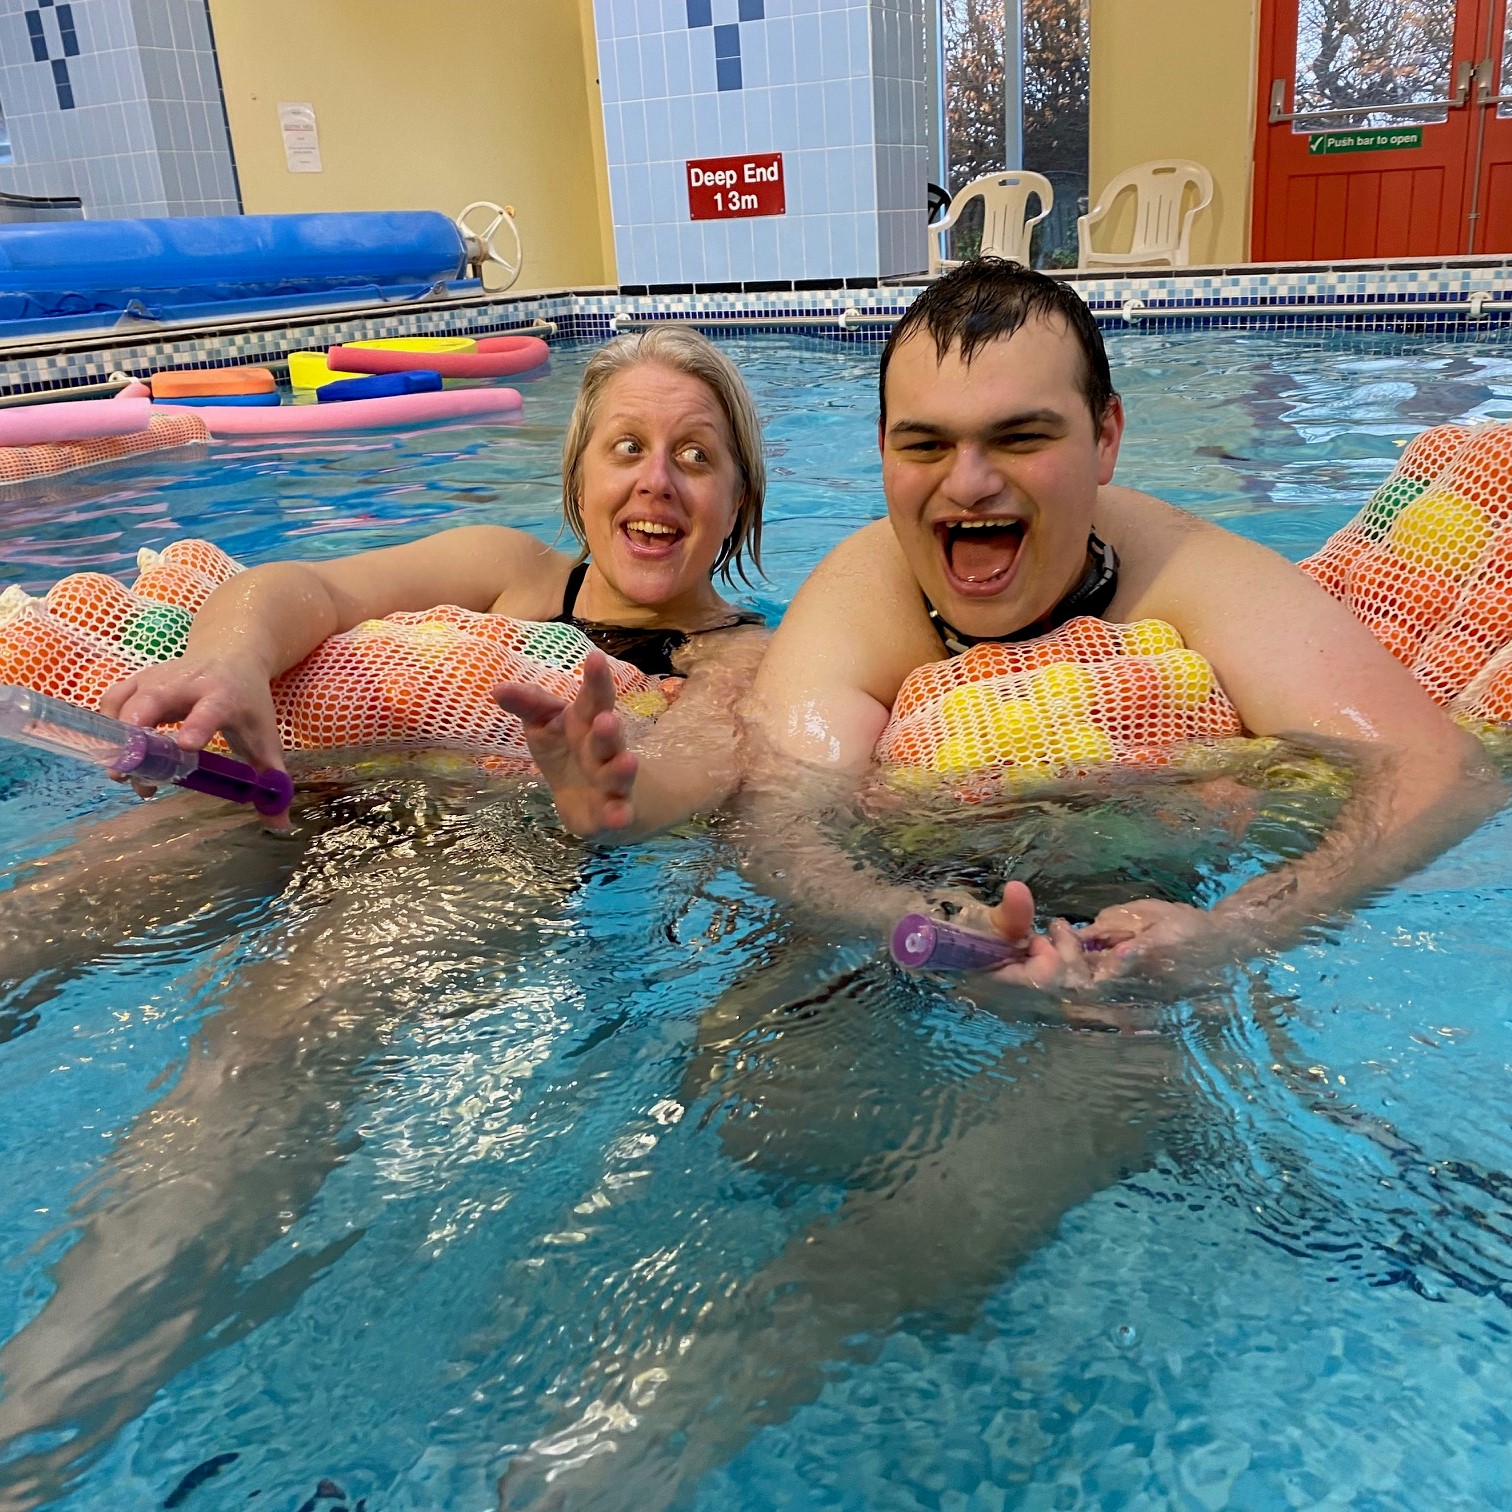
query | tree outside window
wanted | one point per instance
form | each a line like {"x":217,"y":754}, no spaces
{"x":1056,"y":80}
{"x":1372,"y":53}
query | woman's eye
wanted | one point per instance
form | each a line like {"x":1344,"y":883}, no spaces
{"x":695,"y":454}
{"x":627,"y":446}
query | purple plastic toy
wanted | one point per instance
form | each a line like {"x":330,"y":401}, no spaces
{"x":143,"y":755}
{"x":921,"y":943}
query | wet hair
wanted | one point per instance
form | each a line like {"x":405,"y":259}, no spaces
{"x":989,"y":298}
{"x":682,"y":349}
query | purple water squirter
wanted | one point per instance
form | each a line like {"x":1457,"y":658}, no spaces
{"x":50,"y":724}
{"x":921,"y":943}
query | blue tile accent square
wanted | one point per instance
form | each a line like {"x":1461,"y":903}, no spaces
{"x":728,"y":72}
{"x":66,"y":31}
{"x":37,"y":35}
{"x":753,"y":10}
{"x":62,"y":85}
{"x":726,"y":43}
{"x":700,"y":12}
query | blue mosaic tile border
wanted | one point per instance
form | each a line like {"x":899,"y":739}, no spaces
{"x":1466,"y":298}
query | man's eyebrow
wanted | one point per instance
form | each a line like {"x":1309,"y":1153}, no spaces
{"x":1003,"y":423}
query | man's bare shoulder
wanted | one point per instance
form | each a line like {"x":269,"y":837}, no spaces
{"x":865,"y":579}
{"x":859,"y":619}
{"x":872,"y":548}
{"x":1169,"y":559}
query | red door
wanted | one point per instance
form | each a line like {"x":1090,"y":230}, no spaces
{"x":1369,"y":124}
{"x":1491,"y":228}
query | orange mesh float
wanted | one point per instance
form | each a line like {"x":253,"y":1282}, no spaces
{"x":1427,"y":565}
{"x":410,"y":680}
{"x":19,"y":464}
{"x":1086,"y":694}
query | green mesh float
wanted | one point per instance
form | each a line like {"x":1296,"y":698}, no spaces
{"x":1388,"y":501}
{"x":560,"y":646}
{"x":158,"y":633}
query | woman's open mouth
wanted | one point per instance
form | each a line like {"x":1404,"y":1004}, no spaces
{"x":980,"y":555}
{"x":652,"y":538}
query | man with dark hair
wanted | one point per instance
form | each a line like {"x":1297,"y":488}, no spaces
{"x":999,"y":433}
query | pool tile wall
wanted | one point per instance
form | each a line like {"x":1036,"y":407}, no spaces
{"x":836,"y":86}
{"x":118,"y":102}
{"x":1466,"y":297}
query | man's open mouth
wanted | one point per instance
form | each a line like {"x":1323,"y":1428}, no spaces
{"x":980,"y":552}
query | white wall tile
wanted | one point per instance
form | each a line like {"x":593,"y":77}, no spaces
{"x":658,"y":131}
{"x":678,"y":46}
{"x":653,"y":62}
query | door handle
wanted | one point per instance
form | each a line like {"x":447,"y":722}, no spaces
{"x":1463,"y":75}
{"x":1484,"y":73}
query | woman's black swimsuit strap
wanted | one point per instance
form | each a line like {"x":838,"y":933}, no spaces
{"x":1093,"y":594}
{"x":649,"y":651}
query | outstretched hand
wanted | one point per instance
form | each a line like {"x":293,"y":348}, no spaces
{"x":580,"y":748}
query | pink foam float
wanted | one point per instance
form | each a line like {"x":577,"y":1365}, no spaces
{"x":359,"y":414}
{"x":496,"y":357}
{"x":43,"y":459}
{"x":72,"y":420}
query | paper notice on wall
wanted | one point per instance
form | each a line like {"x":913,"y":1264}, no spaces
{"x":300,"y":138}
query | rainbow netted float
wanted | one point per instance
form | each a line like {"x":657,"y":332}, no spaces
{"x":411,"y":680}
{"x":1427,"y":565}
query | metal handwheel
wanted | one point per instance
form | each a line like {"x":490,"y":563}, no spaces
{"x":482,"y":247}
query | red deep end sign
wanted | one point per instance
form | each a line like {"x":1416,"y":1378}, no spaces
{"x":728,"y":188}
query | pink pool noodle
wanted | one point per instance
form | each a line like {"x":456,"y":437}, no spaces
{"x":496,"y":357}
{"x":357,"y":414}
{"x":73,"y":420}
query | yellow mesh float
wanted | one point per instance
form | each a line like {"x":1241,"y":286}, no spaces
{"x":1427,"y":566}
{"x":1087,"y":694}
{"x":409,"y":680}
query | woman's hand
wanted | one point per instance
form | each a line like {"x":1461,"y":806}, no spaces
{"x":204,"y":694}
{"x":580,"y":748}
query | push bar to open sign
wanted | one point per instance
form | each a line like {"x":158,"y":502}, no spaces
{"x":1379,"y":139}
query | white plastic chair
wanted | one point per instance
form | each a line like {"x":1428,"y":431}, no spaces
{"x":1162,"y":226}
{"x":1006,"y":224}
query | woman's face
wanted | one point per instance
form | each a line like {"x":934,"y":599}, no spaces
{"x":660,"y":487}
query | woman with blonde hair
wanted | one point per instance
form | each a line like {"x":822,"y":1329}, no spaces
{"x":662,"y":485}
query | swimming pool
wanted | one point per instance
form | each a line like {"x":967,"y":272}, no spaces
{"x":524,"y":1142}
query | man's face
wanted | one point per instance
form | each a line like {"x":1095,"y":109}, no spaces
{"x":991,"y":472}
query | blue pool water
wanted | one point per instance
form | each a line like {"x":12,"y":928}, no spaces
{"x":385,"y":1156}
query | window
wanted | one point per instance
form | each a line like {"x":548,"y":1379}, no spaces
{"x":1017,"y":91}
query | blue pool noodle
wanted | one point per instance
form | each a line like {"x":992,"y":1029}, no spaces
{"x":379,"y":386}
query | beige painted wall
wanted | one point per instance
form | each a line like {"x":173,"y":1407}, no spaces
{"x":1176,"y":79}
{"x":426,"y":105}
